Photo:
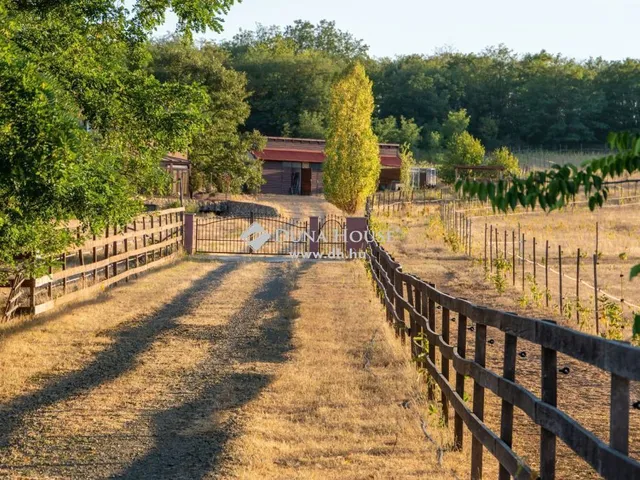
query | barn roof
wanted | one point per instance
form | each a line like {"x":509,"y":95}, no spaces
{"x":280,"y":149}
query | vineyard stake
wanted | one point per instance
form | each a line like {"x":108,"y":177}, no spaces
{"x":513,"y":261}
{"x":491,"y":247}
{"x":523,"y":262}
{"x":485,"y":246}
{"x":546,"y":272}
{"x":535,"y":269}
{"x":560,"y":276}
{"x":595,"y":292}
{"x":578,"y":288}
{"x":504,"y":253}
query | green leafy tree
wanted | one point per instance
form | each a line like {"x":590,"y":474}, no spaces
{"x":462,"y":149}
{"x":456,"y":123}
{"x":83,"y":123}
{"x":352,"y":168}
{"x":219,"y":154}
{"x":405,"y":133}
{"x":553,"y":189}
{"x":386,"y":129}
{"x":312,"y":125}
{"x":504,"y":158}
{"x":407,"y":163}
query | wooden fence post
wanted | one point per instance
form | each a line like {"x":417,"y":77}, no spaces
{"x":432,"y":347}
{"x":549,"y":396}
{"x":126,"y":250}
{"x":478,"y":401}
{"x":64,"y":267}
{"x":619,"y":414}
{"x":458,"y":431}
{"x":115,"y":251}
{"x":153,"y":239}
{"x":506,"y":418}
{"x":446,"y":324}
{"x":415,"y":329}
{"x":135,"y":242}
{"x":50,"y":284}
{"x":398,"y":283}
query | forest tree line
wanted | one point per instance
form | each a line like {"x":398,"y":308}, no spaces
{"x":532,"y":100}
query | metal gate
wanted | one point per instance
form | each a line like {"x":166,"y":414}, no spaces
{"x":252,"y":234}
{"x":333,"y":236}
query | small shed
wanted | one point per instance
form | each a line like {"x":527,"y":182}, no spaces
{"x":179,"y":168}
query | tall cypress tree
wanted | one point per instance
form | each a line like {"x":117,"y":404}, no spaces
{"x":352,"y":168}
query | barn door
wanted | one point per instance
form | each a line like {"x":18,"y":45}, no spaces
{"x":306,"y":181}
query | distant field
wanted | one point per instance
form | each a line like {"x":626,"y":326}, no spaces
{"x":573,"y":229}
{"x":542,"y":159}
{"x":617,"y":229}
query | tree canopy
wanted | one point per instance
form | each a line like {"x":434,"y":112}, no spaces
{"x":219,"y":153}
{"x":83,"y":122}
{"x":533,"y":100}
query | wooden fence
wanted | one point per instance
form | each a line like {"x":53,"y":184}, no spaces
{"x":149,"y":241}
{"x":411,"y":306}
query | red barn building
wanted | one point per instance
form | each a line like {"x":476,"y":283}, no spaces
{"x":294,"y":165}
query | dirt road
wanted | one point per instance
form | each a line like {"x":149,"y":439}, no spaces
{"x":208,"y":369}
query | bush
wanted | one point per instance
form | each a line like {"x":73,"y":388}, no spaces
{"x":462,"y":149}
{"x":503,"y":157}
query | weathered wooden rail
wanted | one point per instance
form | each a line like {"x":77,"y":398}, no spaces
{"x":411,"y":306}
{"x":150,"y":240}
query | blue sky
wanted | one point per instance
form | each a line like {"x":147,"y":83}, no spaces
{"x":579,"y":29}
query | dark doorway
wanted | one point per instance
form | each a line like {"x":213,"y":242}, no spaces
{"x":306,"y":181}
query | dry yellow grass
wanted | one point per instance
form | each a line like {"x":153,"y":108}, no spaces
{"x":218,"y":369}
{"x":348,"y":403}
{"x":584,"y":394}
{"x":573,"y":229}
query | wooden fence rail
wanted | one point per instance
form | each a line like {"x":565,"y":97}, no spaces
{"x":148,"y":241}
{"x":407,"y":297}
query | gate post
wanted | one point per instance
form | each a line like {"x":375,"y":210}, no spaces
{"x":314,"y":232}
{"x":356,"y":236}
{"x":190,"y":233}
